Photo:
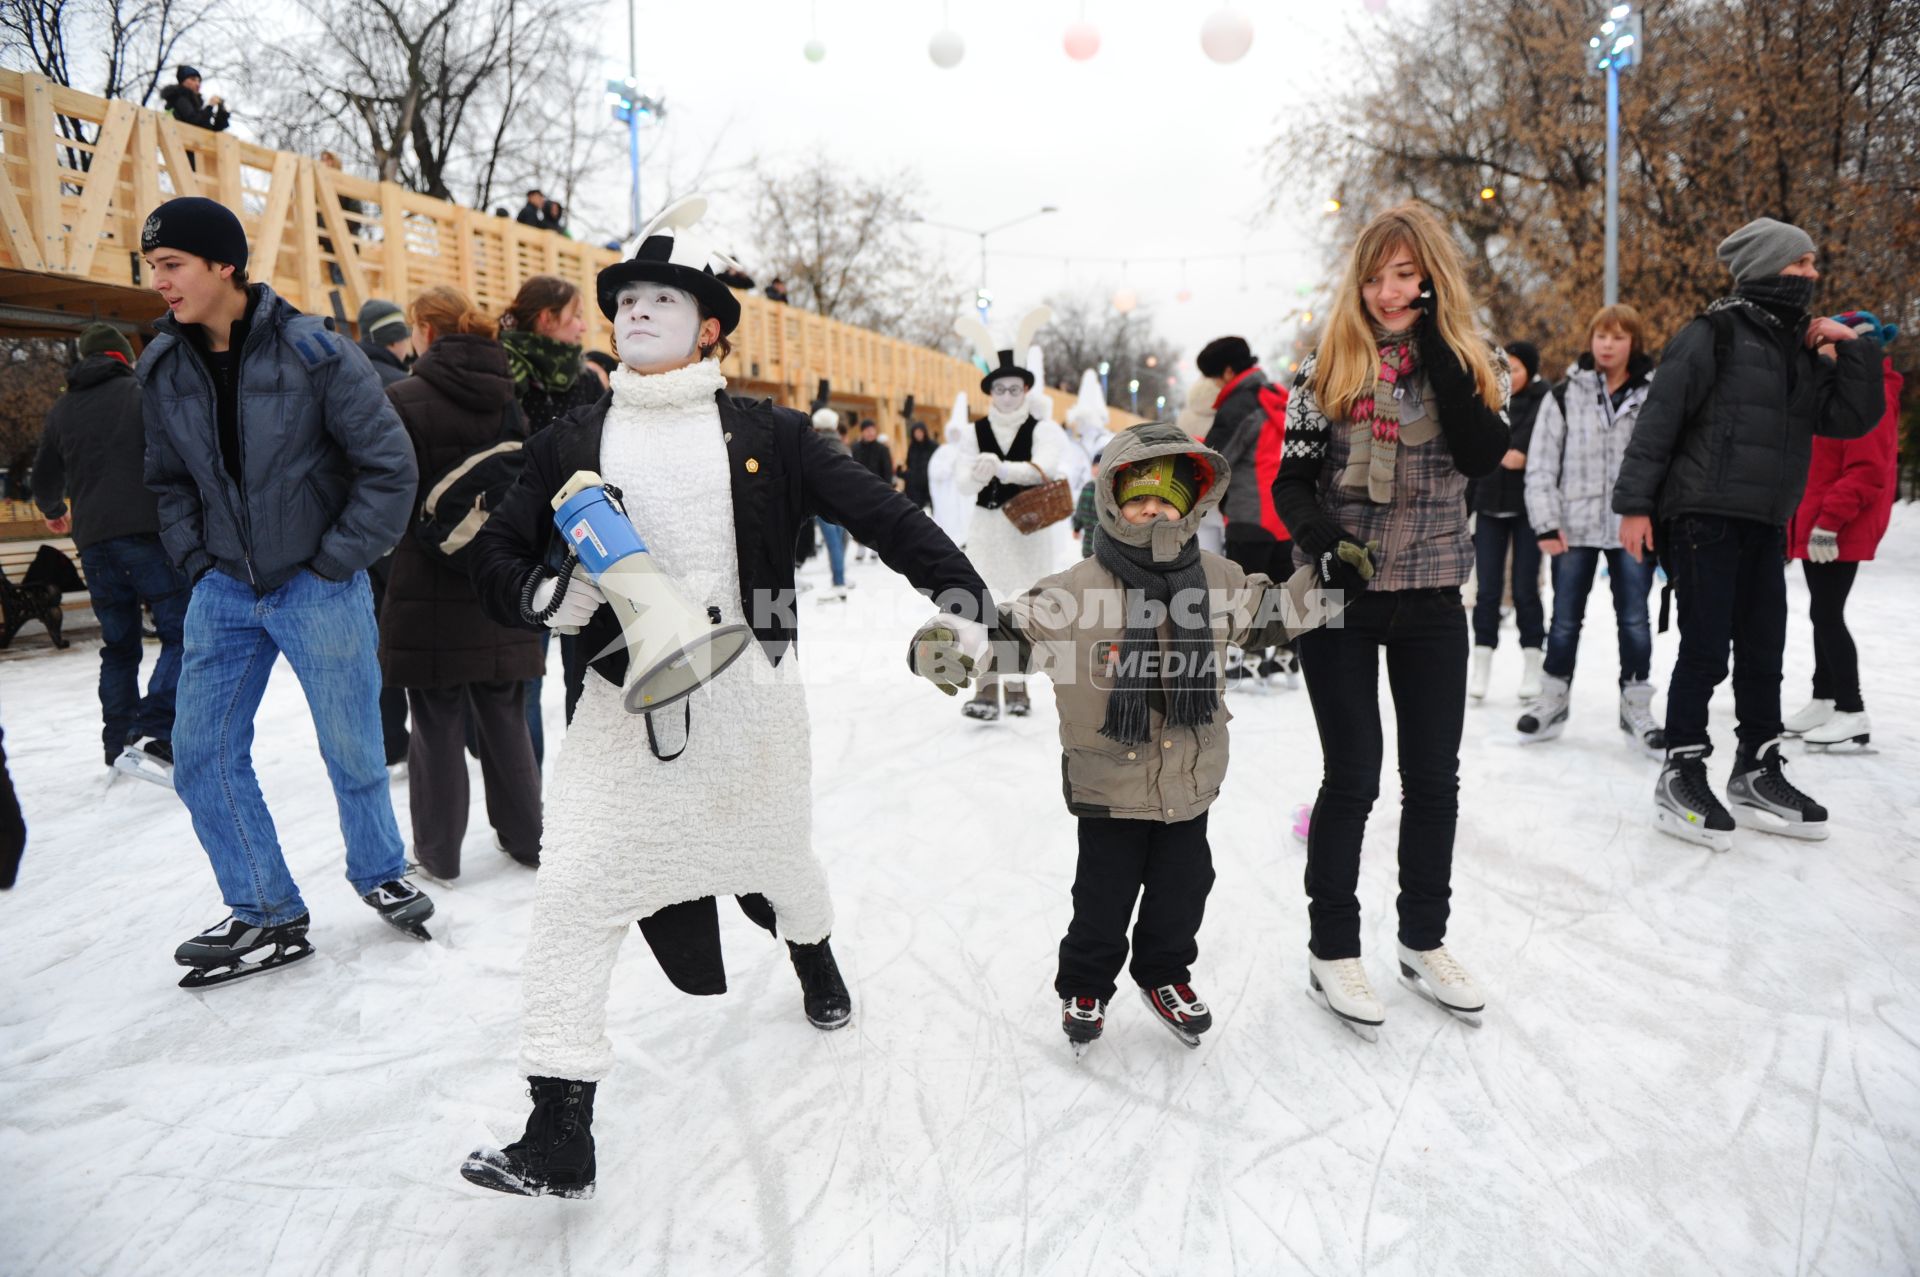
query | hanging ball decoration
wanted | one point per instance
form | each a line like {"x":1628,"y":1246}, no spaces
{"x":1374,"y":6}
{"x":1226,"y":35}
{"x":815,"y":51}
{"x":1184,"y":295}
{"x":1082,"y":41}
{"x":1125,"y":299}
{"x":946,"y":49}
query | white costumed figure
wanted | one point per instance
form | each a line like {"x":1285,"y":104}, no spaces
{"x":952,"y":510}
{"x":651,"y":815}
{"x":1089,"y":424}
{"x":1006,"y":451}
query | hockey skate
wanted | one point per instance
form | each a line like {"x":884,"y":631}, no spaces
{"x":1683,"y":802}
{"x":1018,"y":706}
{"x":1636,"y":719}
{"x":1435,"y":976}
{"x":147,"y":759}
{"x":1761,"y":797}
{"x":402,"y":906}
{"x":985,"y":705}
{"x":1845,"y":733}
{"x":1083,"y":1020}
{"x":555,"y":1156}
{"x":1281,"y":670}
{"x":1341,"y":987}
{"x":1546,"y":717}
{"x":823,"y":992}
{"x":1809,"y":716}
{"x":232,"y":950}
{"x":1180,"y":1009}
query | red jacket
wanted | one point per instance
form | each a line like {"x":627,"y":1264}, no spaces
{"x":1850,"y":485}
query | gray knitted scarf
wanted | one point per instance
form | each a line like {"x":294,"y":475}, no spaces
{"x":1192,"y":685}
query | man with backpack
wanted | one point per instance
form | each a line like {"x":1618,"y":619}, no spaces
{"x":282,"y":472}
{"x":1719,"y":457}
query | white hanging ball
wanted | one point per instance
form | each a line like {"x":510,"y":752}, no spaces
{"x":1226,"y":35}
{"x":946,"y":49}
{"x":815,"y":51}
{"x":1374,"y":6}
{"x":1082,"y":41}
{"x":1125,"y":299}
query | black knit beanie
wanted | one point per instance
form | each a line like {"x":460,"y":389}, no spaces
{"x":182,"y":74}
{"x":194,"y":224}
{"x":1529,"y":356}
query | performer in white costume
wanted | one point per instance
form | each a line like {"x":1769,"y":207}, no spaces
{"x":951,"y":510}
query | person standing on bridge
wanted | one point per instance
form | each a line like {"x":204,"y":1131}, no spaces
{"x":282,"y":472}
{"x":184,"y":103}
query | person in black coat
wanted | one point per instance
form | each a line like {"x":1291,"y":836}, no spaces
{"x":1500,"y":521}
{"x":920,"y":450}
{"x":653,"y":814}
{"x":183,"y":101}
{"x":458,"y":666}
{"x":534,"y":212}
{"x":93,"y":450}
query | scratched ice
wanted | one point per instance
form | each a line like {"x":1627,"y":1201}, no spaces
{"x":1692,"y":1063}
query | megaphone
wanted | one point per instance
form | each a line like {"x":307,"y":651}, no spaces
{"x":673,"y":647}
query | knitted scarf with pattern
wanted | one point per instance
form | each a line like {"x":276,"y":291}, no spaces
{"x":1375,"y":421}
{"x":542,"y":361}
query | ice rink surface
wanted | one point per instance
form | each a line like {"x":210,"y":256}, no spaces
{"x":1692,"y":1063}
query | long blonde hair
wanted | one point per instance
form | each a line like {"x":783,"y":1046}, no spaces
{"x":1348,"y":358}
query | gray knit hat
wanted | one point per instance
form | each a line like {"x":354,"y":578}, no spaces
{"x":1763,"y":247}
{"x":382,"y":322}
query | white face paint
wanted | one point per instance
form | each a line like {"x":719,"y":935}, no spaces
{"x":1009,"y":394}
{"x":655,"y":327}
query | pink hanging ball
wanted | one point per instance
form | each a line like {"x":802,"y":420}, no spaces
{"x":1082,"y":41}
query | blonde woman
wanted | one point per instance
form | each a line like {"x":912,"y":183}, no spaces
{"x":1403,"y":402}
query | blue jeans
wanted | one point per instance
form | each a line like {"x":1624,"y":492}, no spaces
{"x":1572,"y":581}
{"x":122,"y":574}
{"x":327,"y":632}
{"x":836,"y":538}
{"x":1491,"y":536}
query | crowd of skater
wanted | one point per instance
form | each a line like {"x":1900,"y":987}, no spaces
{"x":266,"y":488}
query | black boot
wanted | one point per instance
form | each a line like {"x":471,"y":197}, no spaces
{"x":829,"y":1005}
{"x":554,"y":1156}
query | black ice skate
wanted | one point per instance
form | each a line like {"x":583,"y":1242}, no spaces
{"x":824,"y":993}
{"x":985,"y":704}
{"x":147,"y":759}
{"x":1180,"y":1010}
{"x":1763,"y":798}
{"x":1083,"y":1020}
{"x":231,"y":950}
{"x":1017,"y":703}
{"x":555,"y":1156}
{"x":1683,"y":802}
{"x":402,"y":906}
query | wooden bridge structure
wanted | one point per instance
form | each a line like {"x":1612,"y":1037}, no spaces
{"x":79,"y":174}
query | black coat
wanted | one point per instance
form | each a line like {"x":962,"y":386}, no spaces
{"x":189,"y":107}
{"x":877,"y":457}
{"x":783,"y":474}
{"x":1505,"y":491}
{"x":93,"y":449}
{"x":384,"y":362}
{"x":433,"y":631}
{"x":919,"y":458}
{"x":1735,"y":441}
{"x":543,"y":407}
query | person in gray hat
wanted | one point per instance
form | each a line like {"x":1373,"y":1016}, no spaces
{"x":1718,"y":459}
{"x":386,"y":339}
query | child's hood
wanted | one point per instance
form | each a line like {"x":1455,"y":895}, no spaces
{"x":1143,"y":443}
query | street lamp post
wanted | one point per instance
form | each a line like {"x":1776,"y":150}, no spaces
{"x":1104,"y":366}
{"x":630,"y":106}
{"x":982,"y":299}
{"x":1133,"y":396}
{"x":1620,"y":44}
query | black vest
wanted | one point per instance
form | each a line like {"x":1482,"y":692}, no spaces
{"x":996,"y":493}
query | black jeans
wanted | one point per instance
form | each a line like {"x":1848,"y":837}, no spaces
{"x":437,"y":771}
{"x":1168,"y":868}
{"x":1836,"y":662}
{"x":393,"y":700}
{"x":1491,"y":536}
{"x":1730,"y":578}
{"x":1424,"y":636}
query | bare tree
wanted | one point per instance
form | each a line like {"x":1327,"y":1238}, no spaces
{"x":115,"y":48}
{"x":33,"y":373}
{"x":842,"y":243}
{"x":1087,"y":331}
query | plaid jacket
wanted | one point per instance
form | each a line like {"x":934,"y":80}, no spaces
{"x":1422,"y":531}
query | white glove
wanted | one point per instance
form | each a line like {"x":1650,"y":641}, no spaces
{"x":1823,"y":546}
{"x":581,"y":601}
{"x":985,"y":468}
{"x":947,"y":650}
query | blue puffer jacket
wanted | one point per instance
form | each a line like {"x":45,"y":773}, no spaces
{"x":330,"y":475}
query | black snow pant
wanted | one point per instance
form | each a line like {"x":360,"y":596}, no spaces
{"x":1730,"y":578}
{"x":1836,"y":661}
{"x":1168,"y":869}
{"x":437,"y":790}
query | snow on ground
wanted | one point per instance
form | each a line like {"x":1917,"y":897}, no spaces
{"x":1692,"y":1063}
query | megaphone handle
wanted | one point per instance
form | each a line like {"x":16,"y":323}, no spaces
{"x":653,"y":743}
{"x":580,"y":482}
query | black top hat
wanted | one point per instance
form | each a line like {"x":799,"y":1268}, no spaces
{"x":654,"y":264}
{"x":1007,"y":368}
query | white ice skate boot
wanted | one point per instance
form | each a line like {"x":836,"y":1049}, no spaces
{"x":1481,"y":673}
{"x":1845,"y":733}
{"x":1435,"y":976}
{"x":1546,"y":716}
{"x":1341,"y":987}
{"x":1808,"y":717}
{"x":1532,"y":662}
{"x":1636,"y":719}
